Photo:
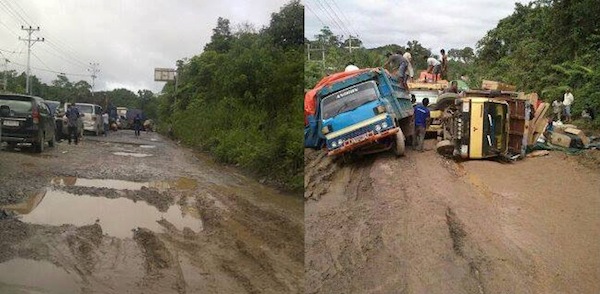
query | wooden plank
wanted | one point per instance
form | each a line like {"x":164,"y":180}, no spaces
{"x":539,"y":123}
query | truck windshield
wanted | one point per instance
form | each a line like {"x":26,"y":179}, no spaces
{"x":348,"y":99}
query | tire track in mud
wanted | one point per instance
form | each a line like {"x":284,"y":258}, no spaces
{"x":402,"y":215}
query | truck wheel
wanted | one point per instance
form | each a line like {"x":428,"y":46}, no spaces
{"x":445,"y":147}
{"x":399,"y":144}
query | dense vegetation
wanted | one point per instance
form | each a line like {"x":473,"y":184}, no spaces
{"x":545,"y":46}
{"x":63,"y":90}
{"x":241,"y":98}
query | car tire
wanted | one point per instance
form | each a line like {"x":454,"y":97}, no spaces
{"x":39,"y":146}
{"x":399,"y":144}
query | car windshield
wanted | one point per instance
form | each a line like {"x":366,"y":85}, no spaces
{"x":17,"y":104}
{"x":85,"y":108}
{"x":430,"y":94}
{"x":348,"y":99}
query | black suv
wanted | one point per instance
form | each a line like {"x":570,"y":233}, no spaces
{"x":26,"y":119}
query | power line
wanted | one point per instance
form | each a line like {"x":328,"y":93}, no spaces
{"x":52,"y":71}
{"x":351,"y":26}
{"x":322,"y":22}
{"x":14,"y":12}
{"x":328,"y":14}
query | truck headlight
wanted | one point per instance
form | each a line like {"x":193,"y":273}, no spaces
{"x":378,"y":128}
{"x":465,"y":106}
{"x":340,"y":141}
{"x":333,"y":144}
{"x":464,"y":149}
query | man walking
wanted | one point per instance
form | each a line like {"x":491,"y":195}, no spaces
{"x":421,"y":122}
{"x":72,"y":122}
{"x":105,"y":122}
{"x":137,"y":124}
{"x":567,"y":101}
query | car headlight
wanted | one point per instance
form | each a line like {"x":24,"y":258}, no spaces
{"x":378,"y":128}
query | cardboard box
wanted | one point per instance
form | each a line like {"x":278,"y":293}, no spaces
{"x":580,"y":134}
{"x":493,"y":85}
{"x":560,"y":140}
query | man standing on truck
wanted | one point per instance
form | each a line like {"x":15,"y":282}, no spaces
{"x":72,"y":122}
{"x":397,"y":66}
{"x":444,"y":62}
{"x":433,"y":66}
{"x":409,"y":70}
{"x":421,"y":121}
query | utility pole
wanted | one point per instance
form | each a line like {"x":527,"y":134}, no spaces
{"x":350,"y":44}
{"x":94,"y":70}
{"x":322,"y":49}
{"x":6,"y":61}
{"x":30,"y":43}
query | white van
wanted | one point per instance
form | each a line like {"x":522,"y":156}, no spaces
{"x":91,"y":116}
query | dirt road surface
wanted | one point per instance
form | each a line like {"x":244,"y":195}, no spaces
{"x":127,"y":215}
{"x":426,"y":224}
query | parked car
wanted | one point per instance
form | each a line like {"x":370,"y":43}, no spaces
{"x":91,"y":117}
{"x":27,"y":120}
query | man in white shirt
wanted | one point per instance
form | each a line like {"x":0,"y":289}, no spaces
{"x":567,"y":101}
{"x":105,"y":122}
{"x":409,"y":70}
{"x":433,"y":65}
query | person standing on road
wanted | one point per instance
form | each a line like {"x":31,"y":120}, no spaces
{"x":105,"y":122}
{"x":72,"y":122}
{"x":567,"y":101}
{"x":421,"y":122}
{"x":433,"y":66}
{"x":409,"y":70}
{"x":137,"y":124}
{"x":557,"y":106}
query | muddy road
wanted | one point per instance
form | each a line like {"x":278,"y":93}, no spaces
{"x":127,"y":215}
{"x":425,"y":224}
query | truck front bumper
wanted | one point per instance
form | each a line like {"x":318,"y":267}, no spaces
{"x":369,"y":139}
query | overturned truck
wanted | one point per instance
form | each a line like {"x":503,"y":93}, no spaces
{"x":484,"y":123}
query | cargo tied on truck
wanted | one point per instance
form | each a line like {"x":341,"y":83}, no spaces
{"x":362,"y":111}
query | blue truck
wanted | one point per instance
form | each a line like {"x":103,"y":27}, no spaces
{"x":366,"y":111}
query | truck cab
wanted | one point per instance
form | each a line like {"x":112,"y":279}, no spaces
{"x":367,"y":112}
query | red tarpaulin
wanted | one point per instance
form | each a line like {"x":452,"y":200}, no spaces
{"x":310,"y":101}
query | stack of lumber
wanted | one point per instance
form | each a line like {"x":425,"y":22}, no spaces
{"x":538,"y":123}
{"x":564,"y":134}
{"x":494,"y":85}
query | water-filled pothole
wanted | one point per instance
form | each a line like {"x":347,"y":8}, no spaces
{"x":132,"y":154}
{"x":117,"y":217}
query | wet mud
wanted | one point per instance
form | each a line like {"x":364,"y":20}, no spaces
{"x":170,"y":222}
{"x":425,"y":224}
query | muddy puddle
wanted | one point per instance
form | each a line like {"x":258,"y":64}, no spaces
{"x":117,"y":216}
{"x":132,"y":154}
{"x":35,"y":276}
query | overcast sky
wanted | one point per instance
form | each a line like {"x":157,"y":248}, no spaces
{"x":127,"y":38}
{"x":436,"y":24}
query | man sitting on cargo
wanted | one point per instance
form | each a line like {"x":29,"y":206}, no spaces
{"x":433,"y":66}
{"x":421,"y":121}
{"x":453,"y":88}
{"x":397,"y":66}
